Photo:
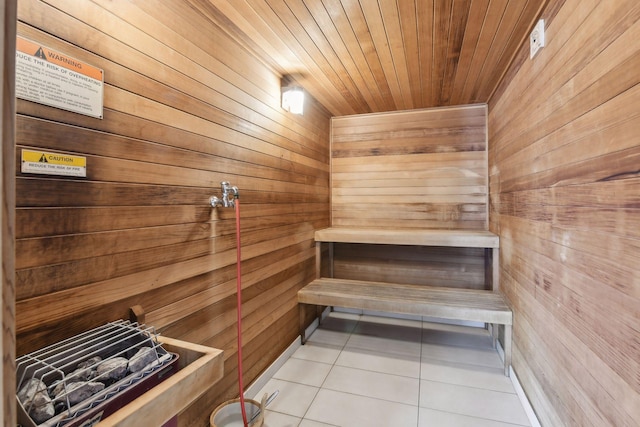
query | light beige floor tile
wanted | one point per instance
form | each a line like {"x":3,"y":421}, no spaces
{"x":398,"y":329}
{"x":395,"y":336}
{"x":384,"y":345}
{"x":375,"y":380}
{"x":318,"y":352}
{"x":466,"y":355}
{"x":373,"y":384}
{"x":475,"y":402}
{"x":293,"y":399}
{"x":466,"y":375}
{"x":303,"y":372}
{"x":346,"y":410}
{"x":309,"y":423}
{"x":431,"y":418}
{"x":343,"y":322}
{"x":406,"y":366}
{"x":276,"y":419}
{"x":324,"y":336}
{"x":458,"y":336}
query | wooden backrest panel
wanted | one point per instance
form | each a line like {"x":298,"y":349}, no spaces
{"x":416,"y":265}
{"x":418,"y":169}
{"x":410,"y":169}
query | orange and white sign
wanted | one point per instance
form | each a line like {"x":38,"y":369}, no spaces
{"x":52,"y":78}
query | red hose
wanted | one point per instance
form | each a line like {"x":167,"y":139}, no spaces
{"x":239,"y":291}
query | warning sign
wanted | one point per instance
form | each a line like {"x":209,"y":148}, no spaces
{"x":52,"y":78}
{"x":53,"y":163}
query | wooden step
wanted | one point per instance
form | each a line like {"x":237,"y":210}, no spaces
{"x":440,"y":302}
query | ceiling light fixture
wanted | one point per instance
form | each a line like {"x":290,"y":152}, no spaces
{"x":293,"y":99}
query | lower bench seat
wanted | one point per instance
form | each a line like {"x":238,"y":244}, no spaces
{"x":440,"y":302}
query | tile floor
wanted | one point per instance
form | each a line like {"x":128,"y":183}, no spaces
{"x":365,"y":371}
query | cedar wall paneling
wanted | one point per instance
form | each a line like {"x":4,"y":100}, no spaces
{"x":564,"y":188}
{"x":184,"y":109}
{"x":7,"y":213}
{"x":411,"y":169}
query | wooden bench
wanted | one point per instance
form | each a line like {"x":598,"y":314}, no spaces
{"x":486,"y":306}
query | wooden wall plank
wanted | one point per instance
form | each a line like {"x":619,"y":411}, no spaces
{"x":426,"y":39}
{"x":409,"y":27}
{"x":376,"y":29}
{"x":400,"y":40}
{"x":563,"y":187}
{"x":412,"y":169}
{"x":471,"y":37}
{"x":450,"y":267}
{"x":359,"y":57}
{"x":491,"y":22}
{"x":325,"y":28}
{"x":502,"y":34}
{"x":429,"y":166}
{"x":186,"y":107}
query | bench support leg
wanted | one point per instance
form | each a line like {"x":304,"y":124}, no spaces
{"x":507,"y":348}
{"x":301,"y":312}
{"x":492,"y":268}
{"x":318,"y":259}
{"x":331,"y":259}
{"x":494,"y":334}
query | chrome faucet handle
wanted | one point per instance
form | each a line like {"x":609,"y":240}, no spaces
{"x":215,"y":202}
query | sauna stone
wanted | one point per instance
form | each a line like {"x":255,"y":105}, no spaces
{"x":81,"y":374}
{"x":91,"y":363}
{"x":113,"y":369}
{"x":78,"y":391}
{"x":86,"y":370}
{"x":33,"y":396}
{"x":142,"y":358}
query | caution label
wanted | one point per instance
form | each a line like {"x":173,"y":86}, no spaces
{"x":58,"y":80}
{"x":41,"y":162}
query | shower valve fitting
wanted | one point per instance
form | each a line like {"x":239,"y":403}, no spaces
{"x":229,"y":194}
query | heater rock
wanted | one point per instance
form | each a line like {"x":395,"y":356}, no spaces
{"x":142,"y":358}
{"x":91,"y":363}
{"x":86,"y":370}
{"x":34,"y":398}
{"x":113,"y":369}
{"x":79,"y":391}
{"x":81,"y":374}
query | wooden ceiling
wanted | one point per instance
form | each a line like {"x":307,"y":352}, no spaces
{"x":361,"y":56}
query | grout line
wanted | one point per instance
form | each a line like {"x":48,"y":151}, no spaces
{"x":473,"y":417}
{"x":422,"y":324}
{"x":323,"y":316}
{"x":464,"y":365}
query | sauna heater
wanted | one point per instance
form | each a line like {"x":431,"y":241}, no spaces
{"x":83,"y":379}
